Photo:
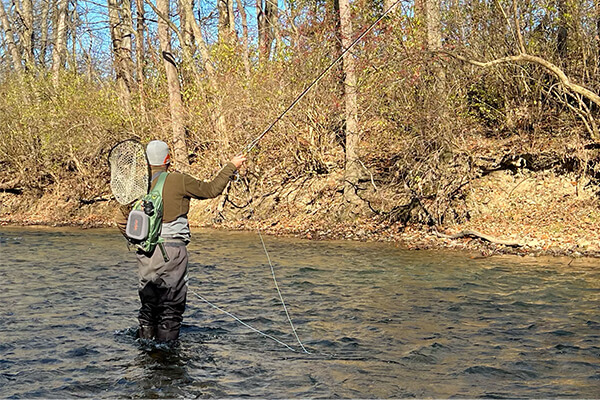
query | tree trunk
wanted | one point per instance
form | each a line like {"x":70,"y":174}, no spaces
{"x":175,"y":101}
{"x":121,"y":24}
{"x":267,"y":17}
{"x":226,"y":21}
{"x":11,"y":46}
{"x":44,"y":32}
{"x":27,"y":34}
{"x":434,"y":44}
{"x":264,"y":35}
{"x":73,"y":22}
{"x":352,"y":168}
{"x":216,"y":111}
{"x":272,"y":16}
{"x":333,"y":17}
{"x":189,"y":68}
{"x":59,"y":49}
{"x":116,"y":38}
{"x":186,"y":25}
{"x":434,"y":25}
{"x":231,"y":24}
{"x":562,"y":32}
{"x":245,"y":49}
{"x":126,"y":44}
{"x":140,"y":52}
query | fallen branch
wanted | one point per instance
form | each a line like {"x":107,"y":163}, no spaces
{"x":478,"y":235}
{"x":12,"y":190}
{"x":12,"y":186}
{"x":96,"y":200}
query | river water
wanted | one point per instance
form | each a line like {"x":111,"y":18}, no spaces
{"x":379,"y":322}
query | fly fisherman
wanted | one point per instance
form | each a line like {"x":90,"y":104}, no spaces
{"x":163,"y":284}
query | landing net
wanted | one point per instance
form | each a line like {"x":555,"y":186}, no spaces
{"x":129,"y":171}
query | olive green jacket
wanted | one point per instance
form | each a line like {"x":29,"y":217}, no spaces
{"x":179,"y":189}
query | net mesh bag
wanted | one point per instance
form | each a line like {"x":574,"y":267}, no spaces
{"x":128,"y":171}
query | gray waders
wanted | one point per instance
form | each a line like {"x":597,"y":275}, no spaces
{"x":162,"y":290}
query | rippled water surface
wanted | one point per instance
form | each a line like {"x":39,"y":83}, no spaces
{"x":379,"y":321}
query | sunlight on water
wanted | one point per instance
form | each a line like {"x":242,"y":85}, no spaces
{"x":380,"y":322}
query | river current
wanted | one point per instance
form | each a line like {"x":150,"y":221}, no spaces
{"x":379,"y":322}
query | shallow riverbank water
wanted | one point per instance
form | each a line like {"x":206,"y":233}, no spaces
{"x":379,"y":321}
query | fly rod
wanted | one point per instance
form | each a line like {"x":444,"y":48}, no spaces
{"x":253,"y":143}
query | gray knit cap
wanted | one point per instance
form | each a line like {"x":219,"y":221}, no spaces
{"x":158,"y":153}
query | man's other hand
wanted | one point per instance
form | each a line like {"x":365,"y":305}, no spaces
{"x":238,"y":160}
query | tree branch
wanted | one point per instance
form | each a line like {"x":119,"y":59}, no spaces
{"x":518,"y":28}
{"x":168,"y":22}
{"x":527,"y":58}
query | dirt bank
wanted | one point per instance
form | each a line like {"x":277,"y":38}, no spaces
{"x":535,"y":213}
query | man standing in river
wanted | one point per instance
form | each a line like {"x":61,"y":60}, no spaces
{"x":163,"y":284}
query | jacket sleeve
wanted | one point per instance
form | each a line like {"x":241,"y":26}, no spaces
{"x":121,"y":218}
{"x":198,"y":189}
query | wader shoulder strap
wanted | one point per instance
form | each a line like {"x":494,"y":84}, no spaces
{"x":158,"y":188}
{"x":160,"y":182}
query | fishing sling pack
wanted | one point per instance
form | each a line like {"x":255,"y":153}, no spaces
{"x":144,"y":223}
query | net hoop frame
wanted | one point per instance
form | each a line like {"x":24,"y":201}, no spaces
{"x":113,"y":183}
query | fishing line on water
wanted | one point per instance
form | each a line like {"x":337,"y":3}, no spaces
{"x":279,"y":292}
{"x":280,"y":298}
{"x":244,"y":323}
{"x":253,"y":144}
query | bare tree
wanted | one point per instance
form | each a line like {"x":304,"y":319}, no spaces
{"x":11,"y":47}
{"x":267,"y":14}
{"x":216,"y":111}
{"x":352,"y":167}
{"x":175,"y":101}
{"x":44,"y":26}
{"x":272,"y":13}
{"x":434,"y":25}
{"x":263,"y":35}
{"x":562,"y":32}
{"x":25,"y":11}
{"x":126,"y":44}
{"x":226,"y":21}
{"x":581,"y":92}
{"x":121,"y":26}
{"x":59,"y":48}
{"x":185,"y":24}
{"x":245,"y":41}
{"x":140,"y":51}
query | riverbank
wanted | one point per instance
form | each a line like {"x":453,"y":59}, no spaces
{"x":524,"y":213}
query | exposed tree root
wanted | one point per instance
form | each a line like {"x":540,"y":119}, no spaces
{"x":475,"y":234}
{"x":11,"y":187}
